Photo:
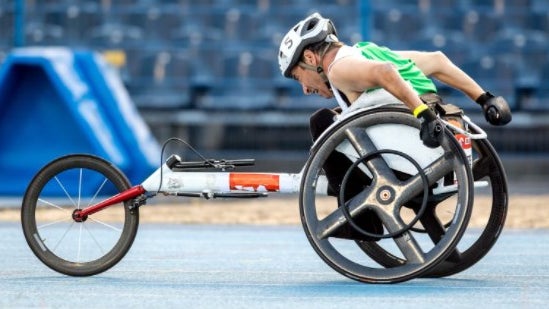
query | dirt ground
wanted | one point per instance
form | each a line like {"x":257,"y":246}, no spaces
{"x":525,"y":211}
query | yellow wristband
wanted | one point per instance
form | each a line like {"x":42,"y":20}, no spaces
{"x":420,"y":109}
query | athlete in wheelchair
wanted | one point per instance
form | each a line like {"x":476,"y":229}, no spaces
{"x":367,"y":75}
{"x":400,"y":204}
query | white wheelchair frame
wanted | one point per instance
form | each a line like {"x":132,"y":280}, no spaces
{"x":178,"y":178}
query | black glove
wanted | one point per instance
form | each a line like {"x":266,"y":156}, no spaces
{"x":496,"y":110}
{"x":431,"y":129}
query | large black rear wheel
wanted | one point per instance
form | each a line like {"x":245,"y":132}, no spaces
{"x":394,"y":184}
{"x":487,"y":219}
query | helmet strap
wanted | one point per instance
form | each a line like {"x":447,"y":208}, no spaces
{"x":318,"y":68}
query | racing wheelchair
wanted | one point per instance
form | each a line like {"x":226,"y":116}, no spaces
{"x":423,"y":197}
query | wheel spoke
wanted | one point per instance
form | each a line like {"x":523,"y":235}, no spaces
{"x":114,"y":228}
{"x":431,"y":223}
{"x":435,"y":171}
{"x":363,"y":144}
{"x":436,"y":230}
{"x":79,"y":243}
{"x":65,"y":190}
{"x":405,"y":242}
{"x":63,"y":236}
{"x":53,"y":205}
{"x":79,"y":188}
{"x":409,"y":247}
{"x":97,"y":191}
{"x":53,"y":223}
{"x":95,"y":240}
{"x":337,"y":219}
{"x":330,"y":224}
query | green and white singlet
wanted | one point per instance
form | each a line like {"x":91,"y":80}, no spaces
{"x":406,"y":67}
{"x":379,"y":96}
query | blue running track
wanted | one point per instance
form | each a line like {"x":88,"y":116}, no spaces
{"x":211,"y":266}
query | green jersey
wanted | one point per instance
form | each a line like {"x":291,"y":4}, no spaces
{"x":406,"y":67}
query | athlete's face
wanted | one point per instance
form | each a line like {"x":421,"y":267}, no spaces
{"x":311,"y":82}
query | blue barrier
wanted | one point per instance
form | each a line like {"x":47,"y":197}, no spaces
{"x":55,"y":101}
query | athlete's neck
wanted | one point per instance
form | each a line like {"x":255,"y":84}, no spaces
{"x":329,"y":57}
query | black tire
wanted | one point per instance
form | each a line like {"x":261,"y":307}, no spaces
{"x":486,"y":167}
{"x":78,"y":248}
{"x":342,"y":254}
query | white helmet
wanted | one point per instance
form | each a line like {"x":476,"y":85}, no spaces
{"x":310,"y":30}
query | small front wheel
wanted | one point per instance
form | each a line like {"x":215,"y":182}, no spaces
{"x":76,"y":246}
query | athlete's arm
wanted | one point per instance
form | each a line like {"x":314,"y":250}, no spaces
{"x":436,"y":64}
{"x":354,"y":75}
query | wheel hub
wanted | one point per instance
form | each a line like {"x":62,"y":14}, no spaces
{"x":385,"y":195}
{"x":77,"y":216}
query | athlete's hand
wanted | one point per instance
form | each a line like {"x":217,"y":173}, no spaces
{"x":431,"y":128}
{"x":496,"y":110}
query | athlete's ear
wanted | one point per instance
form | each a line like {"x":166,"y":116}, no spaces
{"x":309,"y":57}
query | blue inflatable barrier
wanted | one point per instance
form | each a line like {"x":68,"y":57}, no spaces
{"x":56,"y":101}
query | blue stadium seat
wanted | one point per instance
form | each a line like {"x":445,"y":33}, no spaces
{"x":200,"y":36}
{"x":198,"y":26}
{"x":125,"y":4}
{"x":207,"y":66}
{"x":296,"y":4}
{"x":535,"y":52}
{"x":539,"y":20}
{"x":245,"y":83}
{"x":517,"y":5}
{"x":483,"y":5}
{"x":133,"y":60}
{"x":156,"y":23}
{"x":161,"y":97}
{"x":481,"y":26}
{"x":238,"y":95}
{"x":159,"y":79}
{"x":538,"y":100}
{"x":270,"y":34}
{"x":454,"y":45}
{"x":497,"y":75}
{"x":520,"y":21}
{"x":76,"y":19}
{"x":242,"y":25}
{"x":247,"y":3}
{"x":346,"y":4}
{"x":528,"y":50}
{"x":6,"y":24}
{"x":38,"y":33}
{"x":444,"y":6}
{"x":390,"y":4}
{"x":447,"y":20}
{"x":115,"y":35}
{"x":540,"y":5}
{"x":398,"y":26}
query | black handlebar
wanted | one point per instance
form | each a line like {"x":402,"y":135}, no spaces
{"x":211,"y":163}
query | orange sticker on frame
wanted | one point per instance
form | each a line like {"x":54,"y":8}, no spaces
{"x":254,"y":181}
{"x":464,"y":141}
